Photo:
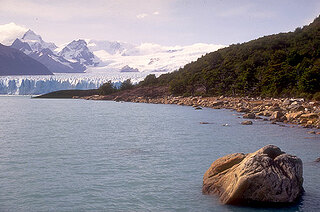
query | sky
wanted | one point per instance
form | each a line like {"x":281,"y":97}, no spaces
{"x":165,"y":22}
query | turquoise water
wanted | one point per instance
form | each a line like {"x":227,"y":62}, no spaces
{"x":77,"y":155}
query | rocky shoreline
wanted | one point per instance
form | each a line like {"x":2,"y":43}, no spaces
{"x":289,"y":111}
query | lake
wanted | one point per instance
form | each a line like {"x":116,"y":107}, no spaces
{"x":78,"y":155}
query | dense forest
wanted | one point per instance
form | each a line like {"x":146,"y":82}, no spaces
{"x":285,"y":64}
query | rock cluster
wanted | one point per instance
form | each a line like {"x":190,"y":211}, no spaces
{"x":293,"y":111}
{"x":267,"y":175}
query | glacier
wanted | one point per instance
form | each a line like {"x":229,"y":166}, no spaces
{"x":35,"y":84}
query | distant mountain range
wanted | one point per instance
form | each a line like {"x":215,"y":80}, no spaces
{"x":32,"y":45}
{"x":93,"y":56}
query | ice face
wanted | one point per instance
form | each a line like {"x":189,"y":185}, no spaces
{"x":33,"y":85}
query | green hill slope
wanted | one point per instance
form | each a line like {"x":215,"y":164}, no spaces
{"x":285,"y":64}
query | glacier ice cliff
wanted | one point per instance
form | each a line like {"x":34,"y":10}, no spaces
{"x":34,"y":85}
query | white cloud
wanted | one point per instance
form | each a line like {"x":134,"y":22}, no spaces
{"x":156,"y":13}
{"x":142,"y":15}
{"x":9,"y":32}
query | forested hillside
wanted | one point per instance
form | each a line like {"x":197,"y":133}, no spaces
{"x":285,"y":64}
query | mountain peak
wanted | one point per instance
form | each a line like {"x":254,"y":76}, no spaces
{"x":31,"y":35}
{"x":22,"y":46}
{"x":78,"y":44}
{"x":78,"y":51}
{"x":35,"y":41}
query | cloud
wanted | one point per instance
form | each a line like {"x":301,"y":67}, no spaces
{"x":142,"y":15}
{"x":9,"y":32}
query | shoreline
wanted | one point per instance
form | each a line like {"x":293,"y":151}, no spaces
{"x":297,"y":112}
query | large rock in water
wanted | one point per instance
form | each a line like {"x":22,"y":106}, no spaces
{"x":267,"y":175}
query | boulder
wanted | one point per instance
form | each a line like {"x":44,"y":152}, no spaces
{"x":249,"y":116}
{"x":246,"y":123}
{"x":287,"y":102}
{"x":309,"y":116}
{"x":293,"y":116}
{"x":216,"y":103}
{"x":277,"y":116}
{"x":243,"y":110}
{"x":275,"y":108}
{"x":266,"y":113}
{"x":265,"y":176}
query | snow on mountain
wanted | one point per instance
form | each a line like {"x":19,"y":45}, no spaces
{"x":14,"y":62}
{"x":35,"y":41}
{"x":22,"y":46}
{"x":111,"y":47}
{"x":103,"y":56}
{"x":77,"y":51}
{"x":54,"y":63}
{"x":148,"y":57}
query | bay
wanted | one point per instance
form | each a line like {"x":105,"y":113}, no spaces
{"x":77,"y":155}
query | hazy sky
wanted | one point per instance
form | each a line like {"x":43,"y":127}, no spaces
{"x":166,"y":22}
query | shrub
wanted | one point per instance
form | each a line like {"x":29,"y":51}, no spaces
{"x":107,"y":88}
{"x":316,"y":96}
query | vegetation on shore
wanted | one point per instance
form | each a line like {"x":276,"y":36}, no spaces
{"x":280,"y":65}
{"x":110,"y":88}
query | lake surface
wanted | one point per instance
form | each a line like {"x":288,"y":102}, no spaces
{"x":77,"y":155}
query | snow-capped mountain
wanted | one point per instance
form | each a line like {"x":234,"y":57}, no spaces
{"x":147,"y":57}
{"x":35,"y":41}
{"x":55,"y":63}
{"x":77,"y":51}
{"x":22,"y":46}
{"x":110,"y":47}
{"x":32,"y":45}
{"x":96,"y":56}
{"x":14,"y":62}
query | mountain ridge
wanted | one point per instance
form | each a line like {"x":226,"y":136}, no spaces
{"x":14,"y":62}
{"x":98,"y":56}
{"x":33,"y":45}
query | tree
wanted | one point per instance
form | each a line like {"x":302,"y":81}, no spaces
{"x":107,"y":88}
{"x":150,"y":79}
{"x":125,"y":85}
